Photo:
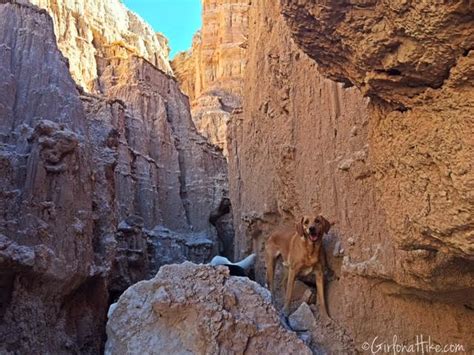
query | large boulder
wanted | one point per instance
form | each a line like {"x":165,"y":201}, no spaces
{"x":197,"y":309}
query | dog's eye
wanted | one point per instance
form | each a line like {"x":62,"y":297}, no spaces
{"x":306,"y":221}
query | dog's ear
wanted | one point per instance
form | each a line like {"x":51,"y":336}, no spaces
{"x":299,"y":226}
{"x":326,"y":225}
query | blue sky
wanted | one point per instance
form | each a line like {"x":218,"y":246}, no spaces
{"x":178,"y":20}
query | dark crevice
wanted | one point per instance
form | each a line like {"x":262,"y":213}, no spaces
{"x":219,"y":218}
{"x":402,"y":108}
{"x":390,"y":72}
{"x":183,"y":193}
{"x":394,"y":72}
{"x":6,"y":291}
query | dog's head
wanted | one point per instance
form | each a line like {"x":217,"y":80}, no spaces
{"x":313,"y":227}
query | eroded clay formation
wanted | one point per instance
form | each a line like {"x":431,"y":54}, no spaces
{"x":96,"y":173}
{"x":98,"y":179}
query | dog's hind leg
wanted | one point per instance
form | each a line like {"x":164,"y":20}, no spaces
{"x":270,"y":263}
{"x":289,"y":289}
{"x":284,"y":279}
{"x":320,"y":289}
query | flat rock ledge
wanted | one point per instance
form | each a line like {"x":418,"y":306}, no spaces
{"x":197,"y":309}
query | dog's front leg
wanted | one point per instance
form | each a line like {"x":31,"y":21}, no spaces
{"x":320,"y":288}
{"x":289,"y":289}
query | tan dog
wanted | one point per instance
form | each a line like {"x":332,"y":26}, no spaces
{"x":302,"y":253}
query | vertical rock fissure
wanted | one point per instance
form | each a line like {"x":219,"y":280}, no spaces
{"x":183,"y":193}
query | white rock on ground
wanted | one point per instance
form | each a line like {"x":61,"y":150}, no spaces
{"x":197,"y":309}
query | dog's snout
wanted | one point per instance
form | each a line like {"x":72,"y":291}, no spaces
{"x":312,"y":229}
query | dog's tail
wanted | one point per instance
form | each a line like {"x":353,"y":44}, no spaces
{"x":220,"y":260}
{"x":244,"y":264}
{"x":247,"y":262}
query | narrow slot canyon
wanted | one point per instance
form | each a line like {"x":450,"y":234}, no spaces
{"x":144,"y":192}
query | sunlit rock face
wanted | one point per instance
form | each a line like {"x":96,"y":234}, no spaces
{"x":160,"y":166}
{"x":217,"y":57}
{"x":211,"y":72}
{"x":85,"y":29}
{"x":395,"y":180}
{"x":113,"y":53}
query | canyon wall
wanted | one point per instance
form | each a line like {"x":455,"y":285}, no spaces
{"x":419,"y":73}
{"x":211,"y":72}
{"x":97,"y":186}
{"x":393,"y":172}
{"x":53,"y":293}
{"x":104,"y":177}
